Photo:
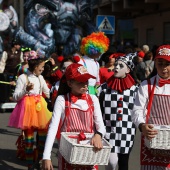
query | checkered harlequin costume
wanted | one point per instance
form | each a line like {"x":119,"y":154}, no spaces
{"x":117,"y":107}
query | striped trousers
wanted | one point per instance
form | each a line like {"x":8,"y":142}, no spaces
{"x":29,"y":142}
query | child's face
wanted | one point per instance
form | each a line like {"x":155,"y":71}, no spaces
{"x":78,"y":88}
{"x":25,"y":56}
{"x":120,"y":69}
{"x":163,"y":68}
{"x":111,"y":61}
{"x":39,"y":69}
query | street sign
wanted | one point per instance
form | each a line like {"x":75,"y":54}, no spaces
{"x":106,"y":23}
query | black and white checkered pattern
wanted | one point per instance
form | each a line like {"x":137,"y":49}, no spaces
{"x":117,"y":107}
{"x":128,"y":60}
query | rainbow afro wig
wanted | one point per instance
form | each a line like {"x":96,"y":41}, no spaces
{"x":94,"y":43}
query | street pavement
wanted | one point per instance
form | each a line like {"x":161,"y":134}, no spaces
{"x":8,"y":137}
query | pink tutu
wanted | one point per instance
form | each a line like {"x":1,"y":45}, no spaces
{"x":30,"y":112}
{"x":16,"y":117}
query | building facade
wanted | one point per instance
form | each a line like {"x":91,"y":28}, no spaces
{"x":137,"y":21}
{"x":150,"y":20}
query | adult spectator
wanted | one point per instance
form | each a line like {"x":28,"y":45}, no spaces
{"x":148,"y":64}
{"x":138,"y":72}
{"x":145,"y":48}
{"x":8,"y":63}
{"x":10,"y":59}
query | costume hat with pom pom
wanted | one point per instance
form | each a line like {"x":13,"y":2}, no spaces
{"x":163,"y":52}
{"x":128,"y":60}
{"x":76,"y":59}
{"x":115,"y":55}
{"x":141,"y":54}
{"x":77,"y":72}
{"x":60,"y":58}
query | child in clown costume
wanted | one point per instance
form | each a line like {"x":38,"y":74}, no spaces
{"x":116,"y":98}
{"x":152,"y":107}
{"x":74,"y":111}
{"x":31,"y":113}
{"x":92,"y":47}
{"x":65,"y":62}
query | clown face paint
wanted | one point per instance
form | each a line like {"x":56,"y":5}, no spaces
{"x":120,"y":69}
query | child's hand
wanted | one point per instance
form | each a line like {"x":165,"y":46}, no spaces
{"x":13,"y":83}
{"x":52,"y":61}
{"x":149,"y":131}
{"x":97,"y":142}
{"x":47,"y":165}
{"x":30,"y":86}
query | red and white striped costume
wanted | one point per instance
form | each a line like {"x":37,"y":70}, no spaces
{"x":159,"y":114}
{"x":83,"y":115}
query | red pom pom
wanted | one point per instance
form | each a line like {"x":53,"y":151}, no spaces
{"x":141,"y":54}
{"x":76,"y":58}
{"x":60,"y":58}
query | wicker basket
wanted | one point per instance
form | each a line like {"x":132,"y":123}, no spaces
{"x":83,"y":154}
{"x":162,"y":139}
